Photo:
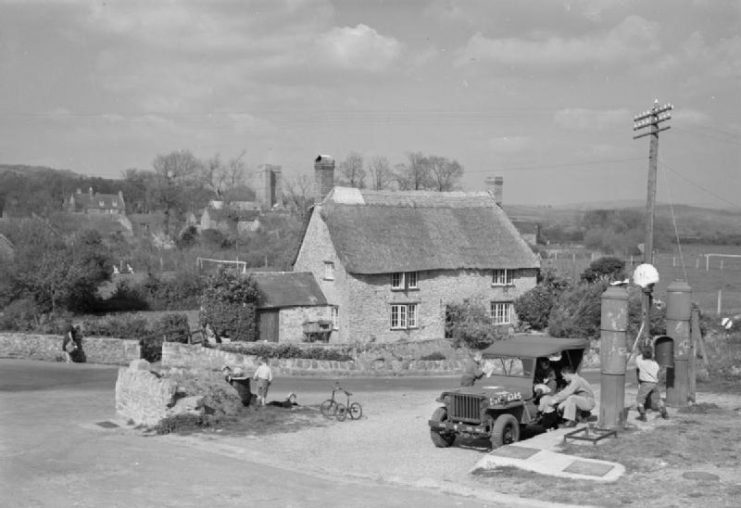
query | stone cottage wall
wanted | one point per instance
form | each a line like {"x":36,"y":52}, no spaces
{"x":291,"y":321}
{"x":103,"y":350}
{"x":370,"y":308}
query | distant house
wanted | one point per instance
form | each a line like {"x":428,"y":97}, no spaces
{"x":292,"y":307}
{"x":94,"y":203}
{"x":7,"y":249}
{"x":391,"y":262}
{"x":230,"y":220}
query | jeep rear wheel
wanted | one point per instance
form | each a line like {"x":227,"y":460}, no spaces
{"x":506,"y":431}
{"x":441,"y":439}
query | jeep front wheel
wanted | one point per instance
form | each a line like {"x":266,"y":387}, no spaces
{"x":441,"y":439}
{"x":506,"y":431}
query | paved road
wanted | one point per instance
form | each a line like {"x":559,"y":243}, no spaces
{"x":52,"y":454}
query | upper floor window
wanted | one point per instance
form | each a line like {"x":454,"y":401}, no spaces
{"x":404,"y":280}
{"x":501,"y":313}
{"x":328,"y":270}
{"x":502,"y":277}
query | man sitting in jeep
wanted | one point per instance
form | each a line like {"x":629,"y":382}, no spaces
{"x":577,"y":394}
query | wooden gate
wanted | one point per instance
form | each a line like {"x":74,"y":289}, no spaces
{"x":268,"y":325}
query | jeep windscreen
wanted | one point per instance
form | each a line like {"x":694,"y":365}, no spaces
{"x":510,"y":367}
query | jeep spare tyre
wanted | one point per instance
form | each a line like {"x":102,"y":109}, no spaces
{"x":441,"y":439}
{"x":506,"y":431}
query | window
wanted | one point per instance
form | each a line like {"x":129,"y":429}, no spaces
{"x":403,"y":316}
{"x":403,"y":280}
{"x":501,"y":313}
{"x":335,"y":318}
{"x":328,"y":270}
{"x":412,"y":280}
{"x":397,"y":280}
{"x":502,"y":277}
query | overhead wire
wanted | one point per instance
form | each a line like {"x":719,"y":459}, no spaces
{"x":697,"y":185}
{"x":674,"y":223}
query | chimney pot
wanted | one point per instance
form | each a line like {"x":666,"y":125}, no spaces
{"x":323,"y":176}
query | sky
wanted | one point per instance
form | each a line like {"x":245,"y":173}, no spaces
{"x":542,"y":93}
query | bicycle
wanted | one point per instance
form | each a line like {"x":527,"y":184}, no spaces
{"x":330,"y":408}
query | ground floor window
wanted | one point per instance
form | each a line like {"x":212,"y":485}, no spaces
{"x":335,"y":318}
{"x":501,"y":313}
{"x":403,"y":316}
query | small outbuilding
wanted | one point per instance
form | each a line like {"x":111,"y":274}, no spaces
{"x":292,"y":308}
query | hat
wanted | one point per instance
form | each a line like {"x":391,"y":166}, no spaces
{"x":238,"y":373}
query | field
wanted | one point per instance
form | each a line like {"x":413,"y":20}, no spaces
{"x":711,"y":280}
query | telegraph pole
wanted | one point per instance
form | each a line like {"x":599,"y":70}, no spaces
{"x":651,"y":118}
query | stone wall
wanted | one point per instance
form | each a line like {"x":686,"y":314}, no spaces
{"x":175,"y":355}
{"x":103,"y":350}
{"x":291,"y":321}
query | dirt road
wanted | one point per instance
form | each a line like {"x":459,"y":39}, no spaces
{"x":52,"y":453}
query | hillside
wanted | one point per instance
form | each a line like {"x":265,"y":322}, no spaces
{"x":691,"y":221}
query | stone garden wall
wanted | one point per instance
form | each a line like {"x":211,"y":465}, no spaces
{"x":49,"y":347}
{"x":198,"y":357}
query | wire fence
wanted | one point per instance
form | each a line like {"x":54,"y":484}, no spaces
{"x":715,"y":278}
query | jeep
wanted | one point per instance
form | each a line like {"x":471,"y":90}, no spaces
{"x":506,"y":400}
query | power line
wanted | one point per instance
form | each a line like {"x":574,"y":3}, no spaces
{"x":697,"y":185}
{"x":559,"y":165}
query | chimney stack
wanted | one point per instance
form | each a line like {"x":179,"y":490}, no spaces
{"x":323,"y":177}
{"x":495,"y":187}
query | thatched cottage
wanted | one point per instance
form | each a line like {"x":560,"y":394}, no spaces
{"x":390,"y":262}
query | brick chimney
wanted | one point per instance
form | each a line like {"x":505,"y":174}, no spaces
{"x":495,"y":187}
{"x":323,"y":177}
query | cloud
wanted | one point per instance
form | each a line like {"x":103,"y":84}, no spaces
{"x":634,"y":38}
{"x":509,"y":144}
{"x":592,"y":119}
{"x":359,"y":48}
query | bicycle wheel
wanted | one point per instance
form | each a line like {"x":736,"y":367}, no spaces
{"x":328,"y":408}
{"x":356,"y":411}
{"x":341,"y":412}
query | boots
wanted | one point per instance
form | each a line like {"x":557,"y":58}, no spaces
{"x":642,"y":414}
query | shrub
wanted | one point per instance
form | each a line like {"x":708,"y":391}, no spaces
{"x":534,"y":307}
{"x":468,"y":324}
{"x":179,"y":292}
{"x":125,"y":298}
{"x":577,"y":313}
{"x":608,"y":268}
{"x":20,"y":315}
{"x":229,"y":304}
{"x":286,"y":351}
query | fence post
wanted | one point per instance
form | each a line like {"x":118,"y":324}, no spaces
{"x":720,"y":302}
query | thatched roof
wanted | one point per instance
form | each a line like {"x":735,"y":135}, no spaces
{"x":386,"y":231}
{"x":288,"y":289}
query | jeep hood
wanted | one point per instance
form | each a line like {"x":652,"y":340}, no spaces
{"x":494,"y":384}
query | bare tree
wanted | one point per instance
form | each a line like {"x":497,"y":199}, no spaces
{"x":297,"y":195}
{"x":380,"y":174}
{"x":444,"y":173}
{"x":415,"y":174}
{"x":352,"y":173}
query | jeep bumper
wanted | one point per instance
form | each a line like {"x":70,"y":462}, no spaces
{"x":464,"y":428}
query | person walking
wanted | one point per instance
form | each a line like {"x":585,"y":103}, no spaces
{"x":72,"y":344}
{"x":648,"y":385}
{"x":472,"y":370}
{"x":263,"y":376}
